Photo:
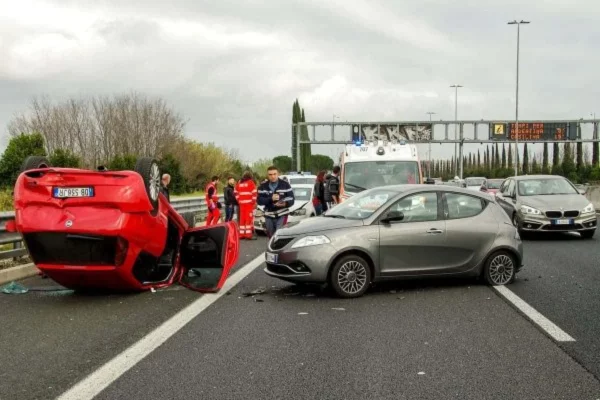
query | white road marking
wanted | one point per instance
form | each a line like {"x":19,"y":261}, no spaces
{"x":98,"y":380}
{"x":558,"y":334}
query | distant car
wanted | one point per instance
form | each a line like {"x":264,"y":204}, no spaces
{"x":302,"y":208}
{"x":547,"y":203}
{"x":115,"y":230}
{"x":399,"y":232}
{"x":475,"y":183}
{"x":491,"y":186}
{"x":299,"y":178}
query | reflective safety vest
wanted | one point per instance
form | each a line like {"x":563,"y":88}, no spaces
{"x":215,"y":197}
{"x":245,"y":192}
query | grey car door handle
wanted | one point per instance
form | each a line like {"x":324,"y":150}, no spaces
{"x":434,"y":230}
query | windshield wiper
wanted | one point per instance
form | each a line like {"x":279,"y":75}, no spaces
{"x":354,"y":186}
{"x":334,"y":216}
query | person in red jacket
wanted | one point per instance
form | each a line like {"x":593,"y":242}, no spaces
{"x":246,"y":193}
{"x":212,"y":202}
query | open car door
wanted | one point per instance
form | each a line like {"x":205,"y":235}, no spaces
{"x":207,"y":255}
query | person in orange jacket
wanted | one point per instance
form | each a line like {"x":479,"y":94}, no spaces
{"x":246,"y":194}
{"x":212,"y":202}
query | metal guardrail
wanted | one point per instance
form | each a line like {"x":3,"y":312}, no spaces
{"x":191,"y":208}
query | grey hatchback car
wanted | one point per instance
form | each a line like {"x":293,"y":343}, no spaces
{"x":399,"y":232}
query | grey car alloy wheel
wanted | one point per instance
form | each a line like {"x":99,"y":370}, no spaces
{"x":351,"y":276}
{"x":500,"y":269}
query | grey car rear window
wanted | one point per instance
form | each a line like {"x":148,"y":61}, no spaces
{"x":463,"y":206}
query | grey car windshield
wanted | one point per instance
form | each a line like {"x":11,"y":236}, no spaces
{"x":549,"y":186}
{"x":474,"y":182}
{"x":362,"y":205}
{"x":364,"y":175}
{"x":302,"y":194}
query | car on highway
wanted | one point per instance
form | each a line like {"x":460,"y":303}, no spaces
{"x":302,"y":208}
{"x":399,"y":232}
{"x":491,"y":186}
{"x":475,"y":183}
{"x":547,"y":203}
{"x":115,"y":230}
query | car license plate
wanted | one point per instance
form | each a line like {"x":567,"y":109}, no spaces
{"x":61,"y":192}
{"x":271,"y":258}
{"x":563,"y":221}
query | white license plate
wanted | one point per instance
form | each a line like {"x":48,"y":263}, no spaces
{"x":73,"y":192}
{"x":562,"y":222}
{"x":271,"y":258}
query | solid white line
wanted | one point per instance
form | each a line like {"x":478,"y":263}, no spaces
{"x":558,"y":334}
{"x":98,"y":380}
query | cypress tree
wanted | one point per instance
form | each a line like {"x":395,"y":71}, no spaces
{"x":503,"y":156}
{"x":525,"y":159}
{"x":545,"y":168}
{"x":579,"y":156}
{"x":509,"y":162}
{"x":497,"y":159}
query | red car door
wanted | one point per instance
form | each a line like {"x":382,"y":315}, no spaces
{"x":206,"y":256}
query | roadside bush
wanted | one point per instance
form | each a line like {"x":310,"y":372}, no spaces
{"x":6,"y":200}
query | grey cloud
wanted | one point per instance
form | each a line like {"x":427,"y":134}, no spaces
{"x":241,"y":95}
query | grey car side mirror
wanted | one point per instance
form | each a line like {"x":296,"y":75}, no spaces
{"x":393,"y":216}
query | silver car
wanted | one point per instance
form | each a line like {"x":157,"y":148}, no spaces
{"x":547,"y":203}
{"x":396,"y":232}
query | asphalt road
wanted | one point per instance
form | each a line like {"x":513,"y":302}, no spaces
{"x":413,"y":340}
{"x":49,"y":340}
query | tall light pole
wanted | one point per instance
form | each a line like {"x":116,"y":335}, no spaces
{"x":430,"y":139}
{"x":518,"y":23}
{"x":455,"y":125}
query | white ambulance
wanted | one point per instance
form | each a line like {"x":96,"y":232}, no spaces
{"x":365,"y":165}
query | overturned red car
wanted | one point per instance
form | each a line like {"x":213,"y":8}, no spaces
{"x":106,"y":229}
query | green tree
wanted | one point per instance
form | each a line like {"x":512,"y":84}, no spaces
{"x":556,"y":165}
{"x":320,"y":162}
{"x":65,"y":159}
{"x":525,"y":159}
{"x":579,"y":164}
{"x":595,"y":151}
{"x":19,"y":148}
{"x":170,"y":165}
{"x":305,"y":149}
{"x":568,"y":164}
{"x":259,"y":168}
{"x":488,"y":160}
{"x":478,"y":159}
{"x":509,"y":162}
{"x":122,"y":163}
{"x":503,"y":156}
{"x":497,"y":158}
{"x":545,"y":167}
{"x":283,"y":163}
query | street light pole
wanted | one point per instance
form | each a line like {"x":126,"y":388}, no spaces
{"x":455,"y":126}
{"x":430,"y":139}
{"x":518,"y":23}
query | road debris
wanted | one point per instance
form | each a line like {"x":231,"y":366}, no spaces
{"x":260,"y":290}
{"x":338,"y":309}
{"x":302,"y":313}
{"x":14,"y":288}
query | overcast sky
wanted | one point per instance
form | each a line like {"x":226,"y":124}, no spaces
{"x":234,"y":68}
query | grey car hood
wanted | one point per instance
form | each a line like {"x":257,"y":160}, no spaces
{"x":555,"y":202}
{"x":316,"y":224}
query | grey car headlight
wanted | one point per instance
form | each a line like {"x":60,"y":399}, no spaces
{"x":530,"y":210}
{"x":311,"y":241}
{"x":589,"y":209}
{"x":299,"y":212}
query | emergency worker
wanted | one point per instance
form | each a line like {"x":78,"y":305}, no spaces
{"x":246,"y":194}
{"x":212,"y":202}
{"x":276,"y":196}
